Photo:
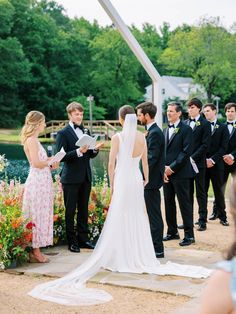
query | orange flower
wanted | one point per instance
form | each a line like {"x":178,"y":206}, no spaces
{"x":0,"y":246}
{"x":55,"y":217}
{"x":16,"y":222}
{"x":91,"y":206}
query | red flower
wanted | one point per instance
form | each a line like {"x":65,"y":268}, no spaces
{"x":30,"y":225}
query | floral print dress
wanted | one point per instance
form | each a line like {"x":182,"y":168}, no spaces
{"x":38,"y":202}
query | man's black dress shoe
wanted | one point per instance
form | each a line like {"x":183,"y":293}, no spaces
{"x":186,"y":241}
{"x":224,"y":222}
{"x":213,"y":216}
{"x":169,"y":237}
{"x":159,"y":255}
{"x":86,"y":245}
{"x":180,"y":226}
{"x":74,"y":248}
{"x":202,"y":227}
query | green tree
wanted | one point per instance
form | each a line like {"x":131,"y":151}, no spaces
{"x":205,"y":53}
{"x":14,"y":71}
{"x":115,"y":70}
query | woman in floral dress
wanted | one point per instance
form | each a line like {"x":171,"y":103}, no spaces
{"x":38,"y":190}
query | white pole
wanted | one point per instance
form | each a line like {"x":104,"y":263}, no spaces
{"x":139,"y":53}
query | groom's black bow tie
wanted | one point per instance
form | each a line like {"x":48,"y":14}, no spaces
{"x":171,"y":125}
{"x":192,"y":120}
{"x":230,"y":123}
{"x":212,"y":123}
{"x":78,"y":126}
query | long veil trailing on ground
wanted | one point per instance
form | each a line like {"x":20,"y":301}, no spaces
{"x":125,"y":243}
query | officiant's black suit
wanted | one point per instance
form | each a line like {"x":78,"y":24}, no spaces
{"x":201,"y":143}
{"x":156,"y":163}
{"x":215,"y":174}
{"x":178,"y":152}
{"x":76,"y":180}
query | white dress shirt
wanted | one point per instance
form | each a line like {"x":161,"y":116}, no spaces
{"x":78,"y":133}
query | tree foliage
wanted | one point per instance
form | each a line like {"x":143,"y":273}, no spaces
{"x":48,"y":59}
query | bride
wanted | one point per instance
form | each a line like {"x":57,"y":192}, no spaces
{"x":125,"y":243}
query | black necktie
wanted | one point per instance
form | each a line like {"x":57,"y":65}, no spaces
{"x":230,"y":123}
{"x":78,"y":126}
{"x":171,"y":125}
{"x":192,"y":120}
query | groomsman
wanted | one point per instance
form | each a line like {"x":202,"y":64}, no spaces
{"x":156,"y":162}
{"x":201,"y":140}
{"x":214,"y":161}
{"x":229,"y":157}
{"x":178,"y":171}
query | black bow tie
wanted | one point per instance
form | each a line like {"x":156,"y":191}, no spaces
{"x":171,"y":125}
{"x":230,"y":123}
{"x":192,"y":120}
{"x":78,"y":126}
{"x":213,"y":123}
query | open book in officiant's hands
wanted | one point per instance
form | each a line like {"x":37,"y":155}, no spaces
{"x":87,"y":140}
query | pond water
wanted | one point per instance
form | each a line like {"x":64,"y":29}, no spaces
{"x":18,"y":165}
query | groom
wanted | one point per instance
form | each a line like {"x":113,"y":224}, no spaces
{"x":76,"y":178}
{"x":156,"y":161}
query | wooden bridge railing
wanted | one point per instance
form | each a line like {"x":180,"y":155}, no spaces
{"x":105,"y":128}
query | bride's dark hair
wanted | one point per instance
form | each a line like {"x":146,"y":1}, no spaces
{"x":124,"y":110}
{"x":232,"y":196}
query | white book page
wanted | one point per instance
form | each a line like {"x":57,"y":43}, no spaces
{"x":86,"y":139}
{"x":58,"y":157}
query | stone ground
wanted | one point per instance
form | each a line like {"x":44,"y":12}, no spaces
{"x":132,"y":293}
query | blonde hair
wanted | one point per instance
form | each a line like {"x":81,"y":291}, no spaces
{"x":32,"y":121}
{"x":74,"y":106}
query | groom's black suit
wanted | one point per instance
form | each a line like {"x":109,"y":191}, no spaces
{"x":76,"y":180}
{"x":178,"y":152}
{"x":156,"y":162}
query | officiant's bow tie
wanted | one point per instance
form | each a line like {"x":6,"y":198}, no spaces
{"x":192,"y":120}
{"x":78,"y":126}
{"x":230,"y":123}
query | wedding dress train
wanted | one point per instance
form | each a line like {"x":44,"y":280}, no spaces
{"x":125,"y":243}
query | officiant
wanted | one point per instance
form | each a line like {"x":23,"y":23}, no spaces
{"x":76,"y":178}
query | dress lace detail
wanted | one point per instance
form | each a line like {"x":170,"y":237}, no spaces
{"x":38,"y":202}
{"x":125,"y":243}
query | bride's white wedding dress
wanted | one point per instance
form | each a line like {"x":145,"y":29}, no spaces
{"x":125,"y":244}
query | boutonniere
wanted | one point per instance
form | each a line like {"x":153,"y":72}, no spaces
{"x":197,"y":123}
{"x":234,"y":125}
{"x":85,"y":131}
{"x":176,"y":130}
{"x":216,"y":126}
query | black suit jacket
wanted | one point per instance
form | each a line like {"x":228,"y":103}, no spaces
{"x":75,"y":169}
{"x":201,"y":141}
{"x":219,"y":144}
{"x":156,"y":157}
{"x":231,"y":149}
{"x":179,"y":150}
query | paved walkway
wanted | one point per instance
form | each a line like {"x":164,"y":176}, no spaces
{"x":62,"y":261}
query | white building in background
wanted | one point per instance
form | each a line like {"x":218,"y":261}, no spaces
{"x":173,"y":87}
